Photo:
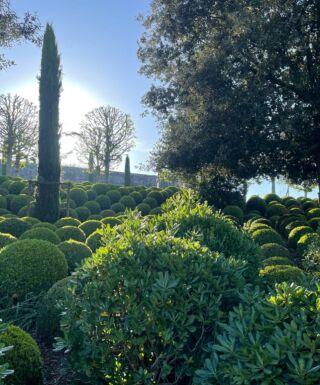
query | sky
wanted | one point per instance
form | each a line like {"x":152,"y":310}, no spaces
{"x":98,"y":41}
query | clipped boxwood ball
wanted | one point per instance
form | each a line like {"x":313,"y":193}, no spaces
{"x":83,"y":213}
{"x":296,"y":210}
{"x":103,"y":201}
{"x":114,"y":196}
{"x":3,"y":202}
{"x":79,"y":196}
{"x":94,"y":217}
{"x":18,"y":202}
{"x":75,"y":252}
{"x":234,"y":211}
{"x":292,"y":225}
{"x":16,"y":187}
{"x":270,"y":250}
{"x":72,"y":204}
{"x":157,"y":195}
{"x":282,"y":273}
{"x":273,"y":261}
{"x":272,"y":197}
{"x":255,"y":203}
{"x":71,"y":232}
{"x":124,"y":190}
{"x":64,"y":213}
{"x":25,"y":357}
{"x":144,"y":208}
{"x":156,"y":211}
{"x":47,"y":225}
{"x":91,"y":195}
{"x":27,"y":210}
{"x":111,"y":221}
{"x":30,"y":266}
{"x":88,"y":227}
{"x":151,"y":202}
{"x":107,"y":213}
{"x":3,"y":191}
{"x":41,"y":233}
{"x":67,"y":221}
{"x":100,"y":188}
{"x":14,"y":226}
{"x":304,"y":242}
{"x":295,"y":235}
{"x":307,"y":205}
{"x":314,"y":223}
{"x":313,"y":213}
{"x":49,"y":313}
{"x":117,"y":207}
{"x":93,"y":206}
{"x":137,"y":197}
{"x":94,"y":241}
{"x":6,"y":239}
{"x":128,"y":202}
{"x":264,"y":236}
{"x":31,"y":220}
{"x":276,"y":209}
{"x":258,"y":226}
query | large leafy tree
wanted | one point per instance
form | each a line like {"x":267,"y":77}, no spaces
{"x":47,"y":203}
{"x":239,"y":85}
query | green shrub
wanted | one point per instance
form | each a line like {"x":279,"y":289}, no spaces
{"x":26,"y":210}
{"x":282,"y":273}
{"x":64,"y":213}
{"x":264,"y":221}
{"x":94,"y":241}
{"x":103,"y":201}
{"x":314,"y":223}
{"x":41,"y":233}
{"x":100,"y":188}
{"x":14,"y":226}
{"x":30,"y":266}
{"x":94,"y":217}
{"x":274,"y":220}
{"x":107,"y":213}
{"x":124,"y":190}
{"x":234,"y":211}
{"x":31,"y":220}
{"x":295,"y":235}
{"x":304,"y":243}
{"x":16,"y":187}
{"x":264,"y":236}
{"x":18,"y":202}
{"x":313,"y":213}
{"x":3,"y":191}
{"x":276,"y":209}
{"x":307,"y":205}
{"x":157,"y":196}
{"x":6,"y":184}
{"x":117,"y":207}
{"x":128,"y":202}
{"x":91,"y":195}
{"x":257,"y":204}
{"x":93,"y":206}
{"x":258,"y":226}
{"x":83,"y":213}
{"x":156,"y":211}
{"x":272,"y":197}
{"x":75,"y":252}
{"x":111,"y":221}
{"x":72,"y":204}
{"x":270,"y":250}
{"x":164,"y":267}
{"x":276,"y":261}
{"x":144,"y":208}
{"x":25,"y":357}
{"x":67,"y":221}
{"x":49,"y":314}
{"x":267,"y":340}
{"x":293,"y":225}
{"x":89,"y":227}
{"x":137,"y":197}
{"x":46,"y":225}
{"x":296,"y":210}
{"x":114,"y":196}
{"x":71,"y":232}
{"x":3,"y":202}
{"x":311,"y":257}
{"x":79,"y":196}
{"x":150,"y":202}
{"x":6,"y":239}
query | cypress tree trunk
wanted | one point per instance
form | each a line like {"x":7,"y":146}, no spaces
{"x":127,"y":175}
{"x":47,"y":202}
{"x":273,"y":185}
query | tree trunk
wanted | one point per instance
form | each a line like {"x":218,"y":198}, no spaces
{"x":273,"y":185}
{"x":107,"y":170}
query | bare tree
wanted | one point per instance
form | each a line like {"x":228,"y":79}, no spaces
{"x":106,"y":134}
{"x":18,"y":131}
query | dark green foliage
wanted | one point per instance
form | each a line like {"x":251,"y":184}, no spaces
{"x":270,"y":250}
{"x":6,"y":239}
{"x":307,"y":205}
{"x":100,"y":188}
{"x":157,"y":195}
{"x":94,"y":217}
{"x":91,"y":195}
{"x":304,"y":242}
{"x":88,"y":227}
{"x":264,"y":236}
{"x":258,"y":226}
{"x":14,"y":226}
{"x":150,"y":202}
{"x":234,"y":211}
{"x":94,"y":241}
{"x":295,"y":235}
{"x":48,"y":315}
{"x":111,"y":221}
{"x":128,"y":202}
{"x":72,"y":203}
{"x":267,"y":340}
{"x":47,"y":203}
{"x":127,"y":174}
{"x":71,"y":232}
{"x":114,"y":195}
{"x":6,"y":184}
{"x":93,"y":206}
{"x":144,"y":208}
{"x":16,"y":187}
{"x":276,"y":209}
{"x":3,"y":202}
{"x":83,"y":213}
{"x":41,"y":233}
{"x":256,"y":203}
{"x":108,"y":213}
{"x":164,"y":266}
{"x":67,"y":221}
{"x":124,"y":190}
{"x":18,"y":202}
{"x":64,"y":213}
{"x":293,"y":225}
{"x":25,"y":357}
{"x":137,"y":197}
{"x":31,"y":220}
{"x":30,"y":266}
{"x":276,"y":261}
{"x":260,"y":220}
{"x":282,"y":273}
{"x":25,"y":210}
{"x":272,"y":197}
{"x":79,"y":196}
{"x":314,"y":223}
{"x":311,"y":258}
{"x":75,"y":252}
{"x":313,"y":213}
{"x":156,"y":211}
{"x":117,"y":207}
{"x":104,"y":201}
{"x":47,"y":225}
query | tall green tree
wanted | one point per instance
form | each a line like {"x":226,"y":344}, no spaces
{"x":127,"y":173}
{"x":47,"y":202}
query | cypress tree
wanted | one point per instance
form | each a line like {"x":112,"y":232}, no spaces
{"x":127,"y":175}
{"x":47,"y":202}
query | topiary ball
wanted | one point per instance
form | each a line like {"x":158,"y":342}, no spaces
{"x":156,"y":211}
{"x":88,"y":227}
{"x":157,"y":195}
{"x":107,"y":213}
{"x":67,"y":221}
{"x":137,"y":197}
{"x":27,"y":210}
{"x":75,"y":252}
{"x":79,"y":196}
{"x":31,"y":220}
{"x":234,"y":211}
{"x":49,"y":314}
{"x":71,"y":232}
{"x":282,"y":273}
{"x":93,"y":206}
{"x":114,"y":196}
{"x":295,"y":235}
{"x":307,"y":205}
{"x":103,"y":201}
{"x":313,"y":213}
{"x":255,"y":203}
{"x":64,"y":213}
{"x":128,"y":202}
{"x":276,"y":210}
{"x":30,"y":266}
{"x":3,"y":202}
{"x":124,"y":190}
{"x":264,"y":236}
{"x":41,"y":233}
{"x":14,"y":226}
{"x":304,"y":242}
{"x":111,"y":221}
{"x":46,"y":225}
{"x":6,"y":239}
{"x":270,"y":250}
{"x":94,"y":217}
{"x":151,"y":202}
{"x":314,"y":223}
{"x":18,"y":202}
{"x":276,"y":261}
{"x":117,"y":207}
{"x":100,"y":188}
{"x":94,"y":241}
{"x":83,"y":213}
{"x":272,"y":197}
{"x":144,"y":208}
{"x":16,"y":187}
{"x":25,"y":357}
{"x":91,"y":195}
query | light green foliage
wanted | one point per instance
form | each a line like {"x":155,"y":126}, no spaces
{"x":129,"y":294}
{"x":94,"y":241}
{"x":14,"y":226}
{"x":313,"y":213}
{"x":71,"y":232}
{"x":6,"y":239}
{"x":271,"y":340}
{"x":30,"y":266}
{"x":311,"y":259}
{"x":304,"y":242}
{"x":41,"y":233}
{"x":282,"y":273}
{"x":273,"y":261}
{"x":67,"y":221}
{"x":296,"y":234}
{"x":264,"y":236}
